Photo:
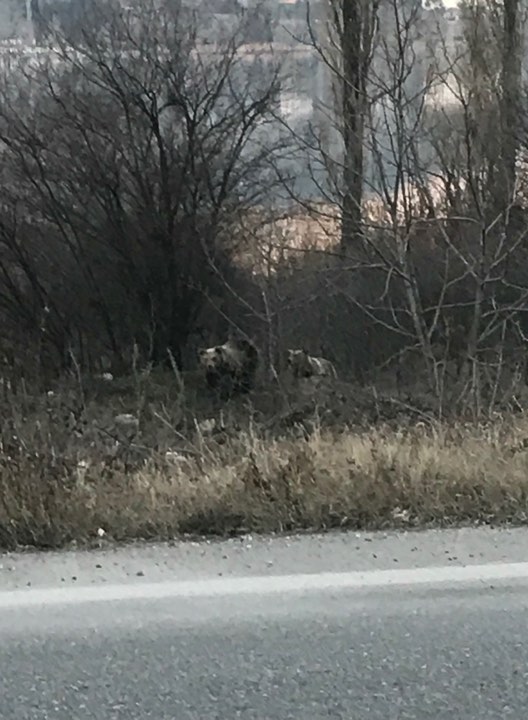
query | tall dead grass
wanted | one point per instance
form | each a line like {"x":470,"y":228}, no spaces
{"x":65,"y":477}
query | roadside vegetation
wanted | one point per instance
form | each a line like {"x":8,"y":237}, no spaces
{"x":153,"y":200}
{"x":272,"y":463}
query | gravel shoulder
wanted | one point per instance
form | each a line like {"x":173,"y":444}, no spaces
{"x":260,"y":556}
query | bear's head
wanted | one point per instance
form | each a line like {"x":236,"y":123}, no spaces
{"x":211,"y":358}
{"x":296,"y":358}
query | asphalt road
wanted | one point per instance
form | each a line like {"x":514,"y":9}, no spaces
{"x":306,"y":628}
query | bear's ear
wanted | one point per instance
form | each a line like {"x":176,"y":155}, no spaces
{"x":200,"y":352}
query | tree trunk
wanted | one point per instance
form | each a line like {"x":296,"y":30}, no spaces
{"x":353,"y":102}
{"x":511,"y":92}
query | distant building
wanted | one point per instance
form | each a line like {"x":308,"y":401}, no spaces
{"x":15,"y":20}
{"x":277,"y":32}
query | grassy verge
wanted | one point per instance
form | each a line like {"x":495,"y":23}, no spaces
{"x":66,"y":473}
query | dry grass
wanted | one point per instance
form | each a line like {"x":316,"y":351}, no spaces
{"x":67,"y":470}
{"x":267,"y":238}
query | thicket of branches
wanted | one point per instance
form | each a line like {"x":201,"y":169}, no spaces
{"x":128,"y":152}
{"x":428,"y":179}
{"x":134,"y":156}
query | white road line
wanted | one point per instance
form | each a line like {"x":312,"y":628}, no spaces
{"x":263,"y":585}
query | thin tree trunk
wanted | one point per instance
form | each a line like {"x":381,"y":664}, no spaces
{"x":353,"y":121}
{"x":511,"y":91}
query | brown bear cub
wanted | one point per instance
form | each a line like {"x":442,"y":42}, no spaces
{"x":303,"y":365}
{"x":231,"y":367}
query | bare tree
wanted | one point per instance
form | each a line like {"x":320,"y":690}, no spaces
{"x":511,"y":92}
{"x":355,"y":21}
{"x":434,"y":275}
{"x":129,"y":151}
{"x":344,"y":42}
